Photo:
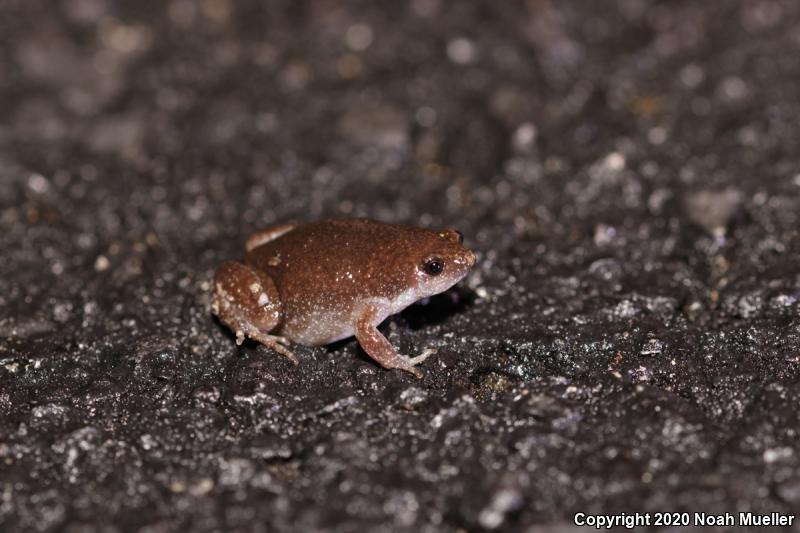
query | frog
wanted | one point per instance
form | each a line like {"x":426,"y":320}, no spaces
{"x":320,"y":282}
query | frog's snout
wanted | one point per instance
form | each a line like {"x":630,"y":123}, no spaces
{"x":471,"y":258}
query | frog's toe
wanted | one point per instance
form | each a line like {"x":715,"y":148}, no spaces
{"x":276,"y":343}
{"x":421,"y":357}
{"x":282,"y":340}
{"x":286,"y":353}
{"x":408,"y":366}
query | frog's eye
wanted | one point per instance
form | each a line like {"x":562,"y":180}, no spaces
{"x":433,"y":266}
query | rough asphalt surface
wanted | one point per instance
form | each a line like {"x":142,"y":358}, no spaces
{"x":629,"y":340}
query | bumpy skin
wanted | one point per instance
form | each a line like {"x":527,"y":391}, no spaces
{"x":321,"y":282}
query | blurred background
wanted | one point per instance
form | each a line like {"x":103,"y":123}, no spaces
{"x":627,"y":171}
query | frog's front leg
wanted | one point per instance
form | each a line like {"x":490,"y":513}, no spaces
{"x":380,"y":349}
{"x":249,"y":304}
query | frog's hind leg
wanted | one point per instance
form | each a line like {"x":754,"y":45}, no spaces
{"x":265,"y":235}
{"x":249,"y":304}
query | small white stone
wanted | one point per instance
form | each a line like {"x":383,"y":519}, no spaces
{"x":358,"y":37}
{"x":692,"y":75}
{"x":101,"y":263}
{"x":614,"y":161}
{"x":462,"y":51}
{"x":38,"y":183}
{"x":525,"y":136}
{"x":657,"y":135}
{"x":776,"y":454}
{"x":652,"y":347}
{"x":203,"y":486}
{"x":734,"y":88}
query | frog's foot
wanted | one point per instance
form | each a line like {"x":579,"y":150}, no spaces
{"x":249,"y":304}
{"x":381,"y":350}
{"x":274,"y":342}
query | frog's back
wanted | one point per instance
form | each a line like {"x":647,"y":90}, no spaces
{"x":347,"y":238}
{"x":350,"y":255}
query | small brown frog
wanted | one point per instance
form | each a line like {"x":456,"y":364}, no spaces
{"x":318,"y":283}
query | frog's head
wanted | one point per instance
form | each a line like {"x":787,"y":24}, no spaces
{"x":441,"y":261}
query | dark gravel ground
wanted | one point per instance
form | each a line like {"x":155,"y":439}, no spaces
{"x":629,"y":340}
